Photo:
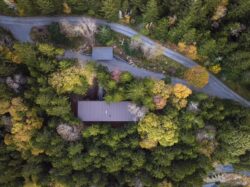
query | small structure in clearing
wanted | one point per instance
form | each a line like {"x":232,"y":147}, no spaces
{"x":102,"y":53}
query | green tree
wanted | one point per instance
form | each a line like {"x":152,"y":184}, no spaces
{"x":110,"y":9}
{"x":54,"y":105}
{"x":126,"y":77}
{"x":140,"y":91}
{"x":244,"y":163}
{"x":49,"y":50}
{"x":26,"y":53}
{"x":78,"y":6}
{"x":26,"y":7}
{"x":7,"y":68}
{"x":239,"y":10}
{"x":75,"y":149}
{"x":161,"y":30}
{"x":105,"y":35}
{"x":11,"y":165}
{"x":47,"y":6}
{"x":151,"y":12}
{"x":234,"y":144}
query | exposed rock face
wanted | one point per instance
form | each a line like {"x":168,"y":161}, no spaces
{"x":86,"y":28}
{"x":6,"y":121}
{"x":16,"y":83}
{"x":160,"y":102}
{"x":136,"y":43}
{"x":116,"y":75}
{"x":68,"y":132}
{"x":6,"y":40}
{"x":206,"y":139}
{"x":39,"y":33}
{"x":172,"y":20}
{"x":10,"y":3}
{"x":139,"y":112}
{"x":193,"y":106}
{"x":236,"y":31}
{"x":148,"y":51}
{"x":215,"y":25}
{"x":208,"y":133}
{"x":138,"y":182}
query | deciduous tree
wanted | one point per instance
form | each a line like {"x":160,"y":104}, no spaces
{"x":197,"y":76}
{"x":155,"y":129}
{"x":74,"y":79}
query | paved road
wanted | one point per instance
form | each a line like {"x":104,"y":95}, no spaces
{"x":21,"y":26}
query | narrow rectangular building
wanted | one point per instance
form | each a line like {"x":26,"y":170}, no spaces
{"x":100,"y":111}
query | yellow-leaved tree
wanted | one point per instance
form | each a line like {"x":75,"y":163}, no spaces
{"x":215,"y":68}
{"x":197,"y":76}
{"x":180,"y":92}
{"x":162,"y":92}
{"x":72,"y":80}
{"x":4,"y":106}
{"x":9,"y":55}
{"x":189,"y":50}
{"x":165,"y":183}
{"x":221,"y":10}
{"x":155,"y":129}
{"x":162,"y":89}
{"x":25,"y":122}
{"x":177,"y":94}
{"x":66,"y":8}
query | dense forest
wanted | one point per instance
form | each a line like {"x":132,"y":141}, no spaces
{"x":181,"y":135}
{"x":214,"y":33}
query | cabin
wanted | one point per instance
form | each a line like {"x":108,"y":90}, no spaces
{"x":100,"y":111}
{"x":102,"y":53}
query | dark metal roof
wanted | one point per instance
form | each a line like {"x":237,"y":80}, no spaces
{"x":102,"y":53}
{"x":100,"y":111}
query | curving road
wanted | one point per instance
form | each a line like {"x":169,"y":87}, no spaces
{"x":21,"y":27}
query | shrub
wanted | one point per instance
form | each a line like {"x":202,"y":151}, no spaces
{"x":105,"y":35}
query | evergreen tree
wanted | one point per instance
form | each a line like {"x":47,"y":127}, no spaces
{"x":151,"y":12}
{"x":47,"y":6}
{"x":110,"y":9}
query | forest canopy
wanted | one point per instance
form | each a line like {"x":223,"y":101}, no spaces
{"x":176,"y":141}
{"x":180,"y":135}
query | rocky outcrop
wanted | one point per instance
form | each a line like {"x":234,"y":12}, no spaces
{"x":86,"y":28}
{"x":6,"y":121}
{"x":11,"y":3}
{"x":139,"y":112}
{"x":193,"y":107}
{"x":16,"y":82}
{"x":69,"y":132}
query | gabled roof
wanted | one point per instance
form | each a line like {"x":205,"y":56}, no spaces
{"x":102,"y":53}
{"x":100,"y":111}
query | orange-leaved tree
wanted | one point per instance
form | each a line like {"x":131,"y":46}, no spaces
{"x":197,"y":76}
